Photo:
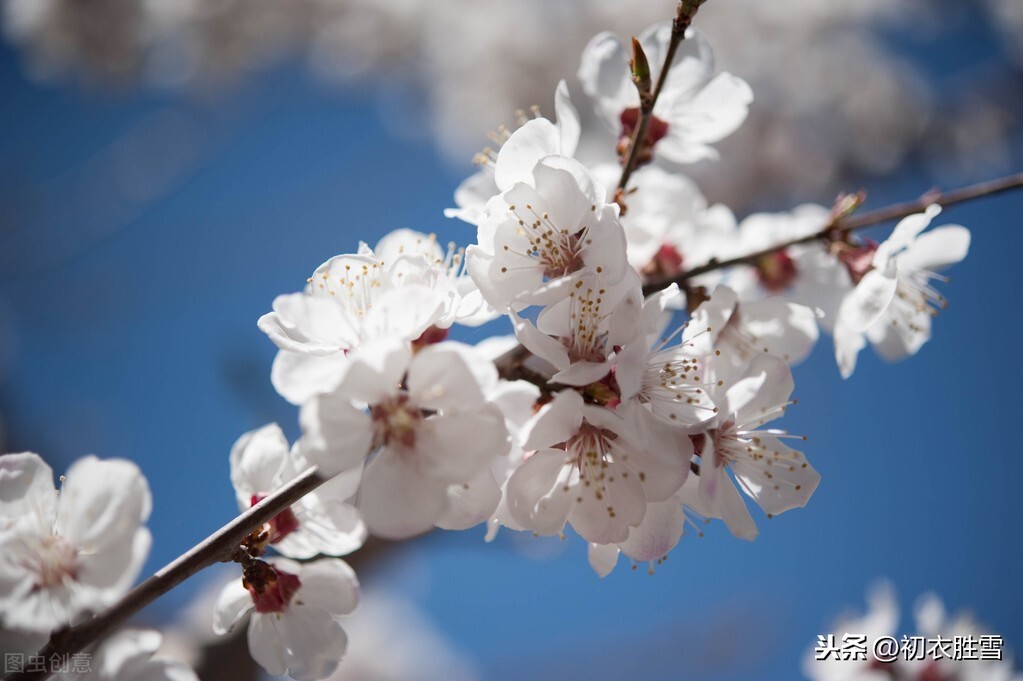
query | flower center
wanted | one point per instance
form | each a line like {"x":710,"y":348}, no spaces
{"x":271,"y":589}
{"x":558,"y":250}
{"x":667,"y":262}
{"x":776,"y":271}
{"x":281,"y":525}
{"x":656,"y":130}
{"x":395,"y":421}
{"x":53,"y":561}
{"x":588,"y":339}
{"x":858,"y":260}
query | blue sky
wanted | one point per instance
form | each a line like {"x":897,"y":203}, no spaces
{"x":142,"y":235}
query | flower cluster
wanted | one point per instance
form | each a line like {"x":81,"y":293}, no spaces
{"x":639,"y":394}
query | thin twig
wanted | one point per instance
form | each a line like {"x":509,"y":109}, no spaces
{"x":839,"y":228}
{"x":219,"y":546}
{"x":683,"y":18}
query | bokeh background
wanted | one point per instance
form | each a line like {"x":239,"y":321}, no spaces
{"x":167,"y":168}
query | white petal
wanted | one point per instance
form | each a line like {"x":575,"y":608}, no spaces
{"x":103,"y":502}
{"x":535,"y":140}
{"x":756,"y":398}
{"x":659,"y":532}
{"x":568,"y":121}
{"x":557,"y":422}
{"x":470,"y":503}
{"x":335,"y":435}
{"x":780,"y":481}
{"x":604,"y":76}
{"x":298,"y":377}
{"x":535,"y":496}
{"x":455,"y":447}
{"x":396,"y":501}
{"x":258,"y":460}
{"x":329,"y":584}
{"x":603,"y":558}
{"x":24,"y":478}
{"x":450,"y":375}
{"x":937,"y":249}
{"x":266,"y":645}
{"x":721,"y":499}
{"x":313,"y":643}
{"x":233,"y":603}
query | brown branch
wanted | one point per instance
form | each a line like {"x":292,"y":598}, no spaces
{"x":219,"y":546}
{"x":839,"y":228}
{"x":683,"y":18}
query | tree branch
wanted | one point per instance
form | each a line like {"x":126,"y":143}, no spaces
{"x":219,"y":546}
{"x":839,"y":228}
{"x":683,"y":18}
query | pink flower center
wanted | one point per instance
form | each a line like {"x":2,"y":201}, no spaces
{"x":282,"y":524}
{"x":271,"y":588}
{"x":54,"y":561}
{"x":776,"y":271}
{"x":667,"y":262}
{"x":858,"y":260}
{"x":395,"y":421}
{"x":656,"y":130}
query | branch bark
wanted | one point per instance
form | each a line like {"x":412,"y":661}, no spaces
{"x":839,"y":228}
{"x":218,"y":547}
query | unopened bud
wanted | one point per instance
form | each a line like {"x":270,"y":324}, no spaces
{"x":641,"y":72}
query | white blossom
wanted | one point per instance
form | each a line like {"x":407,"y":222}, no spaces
{"x":320,"y":522}
{"x":429,"y":422}
{"x":893,"y":300}
{"x":696,"y":107}
{"x":68,"y":553}
{"x":294,"y":609}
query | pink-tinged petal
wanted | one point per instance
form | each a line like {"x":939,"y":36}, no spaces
{"x":720,"y":499}
{"x":329,"y":584}
{"x":536,"y":492}
{"x":659,"y":532}
{"x":779,"y":481}
{"x":298,"y":377}
{"x":523,"y":150}
{"x":313,"y":643}
{"x":396,"y":501}
{"x":568,"y":120}
{"x":103,"y":502}
{"x":24,"y":479}
{"x":455,"y":447}
{"x":603,"y":558}
{"x":556,"y":422}
{"x":661,"y":453}
{"x":266,"y":645}
{"x":233,"y":603}
{"x":259,"y":459}
{"x":603,"y":511}
{"x":470,"y":503}
{"x":937,"y":249}
{"x":756,"y":399}
{"x":335,"y":435}
{"x":450,"y":375}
